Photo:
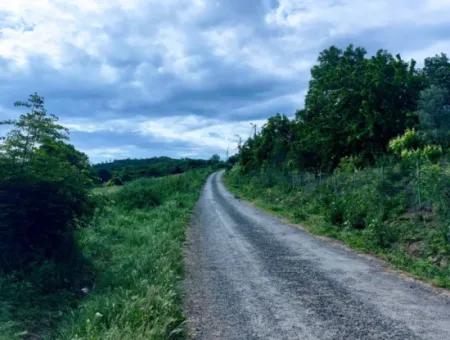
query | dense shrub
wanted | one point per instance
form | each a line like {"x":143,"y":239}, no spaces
{"x":37,"y":218}
{"x":43,"y":190}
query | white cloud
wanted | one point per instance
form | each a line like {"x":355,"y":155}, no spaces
{"x":192,"y":130}
{"x":198,"y":131}
{"x":347,"y":16}
{"x":107,"y":154}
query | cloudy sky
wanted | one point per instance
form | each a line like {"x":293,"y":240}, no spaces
{"x":140,"y":78}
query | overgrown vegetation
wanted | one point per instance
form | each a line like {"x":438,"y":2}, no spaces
{"x":44,"y":197}
{"x":84,"y":263}
{"x":44,"y":192}
{"x":374,"y":210}
{"x":366,"y":160}
{"x":134,"y":249}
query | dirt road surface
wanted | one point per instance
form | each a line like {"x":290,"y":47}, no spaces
{"x":253,"y":276}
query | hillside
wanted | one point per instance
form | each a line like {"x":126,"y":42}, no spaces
{"x":120,"y":171}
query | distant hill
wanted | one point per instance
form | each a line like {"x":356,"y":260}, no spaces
{"x":124,"y":170}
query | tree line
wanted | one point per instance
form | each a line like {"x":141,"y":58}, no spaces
{"x":120,"y":171}
{"x":355,"y":106}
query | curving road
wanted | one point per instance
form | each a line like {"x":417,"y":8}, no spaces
{"x":252,"y":276}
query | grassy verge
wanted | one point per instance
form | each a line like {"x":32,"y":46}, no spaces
{"x":415,"y":243}
{"x":131,"y":289}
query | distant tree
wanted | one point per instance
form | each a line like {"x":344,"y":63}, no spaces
{"x":215,"y":159}
{"x":437,"y":71}
{"x":274,"y":141}
{"x":269,"y":147}
{"x":233,"y":159}
{"x":434,"y":114}
{"x":434,"y":105}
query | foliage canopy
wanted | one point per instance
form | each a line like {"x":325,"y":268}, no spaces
{"x":354,"y":107}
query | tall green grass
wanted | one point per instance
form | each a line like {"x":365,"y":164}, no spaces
{"x":134,"y":250}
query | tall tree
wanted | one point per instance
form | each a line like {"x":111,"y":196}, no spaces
{"x":355,"y":105}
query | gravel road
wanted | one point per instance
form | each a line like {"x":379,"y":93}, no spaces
{"x":252,"y":276}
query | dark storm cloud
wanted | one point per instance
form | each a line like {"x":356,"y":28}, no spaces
{"x":141,"y":78}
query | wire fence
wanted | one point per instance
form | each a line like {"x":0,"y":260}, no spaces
{"x":423,"y":185}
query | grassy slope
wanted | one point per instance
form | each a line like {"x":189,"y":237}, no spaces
{"x":292,"y":206}
{"x":136,"y":258}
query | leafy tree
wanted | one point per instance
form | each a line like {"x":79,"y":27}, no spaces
{"x":275,"y":139}
{"x":43,"y":188}
{"x":437,"y":71}
{"x":434,"y":104}
{"x":355,"y":105}
{"x":434,"y":114}
{"x":214,"y":159}
{"x":270,"y":147}
{"x":232,"y":160}
{"x":31,"y":130}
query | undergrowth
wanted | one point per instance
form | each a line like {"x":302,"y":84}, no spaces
{"x":128,"y":284}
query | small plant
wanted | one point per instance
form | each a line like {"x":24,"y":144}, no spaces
{"x":411,"y":147}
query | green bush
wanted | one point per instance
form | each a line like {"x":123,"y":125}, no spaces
{"x":380,"y":234}
{"x":44,"y":192}
{"x":37,"y":219}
